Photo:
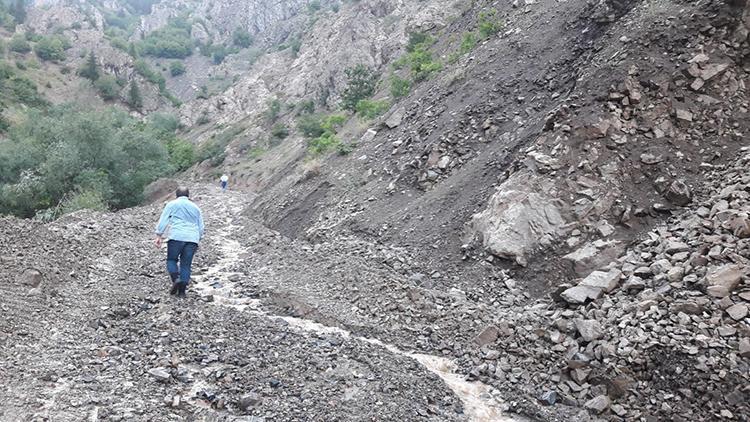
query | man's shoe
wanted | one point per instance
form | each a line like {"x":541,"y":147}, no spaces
{"x":175,"y":289}
{"x":181,"y":289}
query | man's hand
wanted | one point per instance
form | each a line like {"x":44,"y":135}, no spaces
{"x":157,"y":242}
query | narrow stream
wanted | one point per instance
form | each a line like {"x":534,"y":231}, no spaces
{"x":481,"y":402}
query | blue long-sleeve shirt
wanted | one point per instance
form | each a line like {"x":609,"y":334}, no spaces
{"x":181,"y":220}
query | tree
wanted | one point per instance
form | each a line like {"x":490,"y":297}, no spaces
{"x":50,"y":48}
{"x":107,"y":87}
{"x":361,"y":84}
{"x":90,"y":70}
{"x":242,"y":38}
{"x":134,"y":96}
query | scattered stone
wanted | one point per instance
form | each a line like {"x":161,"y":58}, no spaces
{"x":160,"y":374}
{"x":738,"y":311}
{"x":598,"y":404}
{"x":548,"y":398}
{"x":606,"y":281}
{"x":589,"y":329}
{"x":248,"y":401}
{"x":30,"y":277}
{"x":679,"y":193}
{"x":723,"y":280}
{"x":487,"y":336}
{"x":580,"y":294}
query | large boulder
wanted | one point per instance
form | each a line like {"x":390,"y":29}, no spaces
{"x":723,"y":280}
{"x":517,"y":221}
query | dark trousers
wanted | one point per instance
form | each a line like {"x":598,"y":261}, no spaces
{"x":180,"y":259}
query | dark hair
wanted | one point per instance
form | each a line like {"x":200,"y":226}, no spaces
{"x":182,"y":191}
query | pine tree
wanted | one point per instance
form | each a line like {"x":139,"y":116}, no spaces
{"x":134,"y":96}
{"x":132,"y":51}
{"x":91,"y":69}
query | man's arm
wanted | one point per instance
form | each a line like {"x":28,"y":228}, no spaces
{"x":161,"y":226}
{"x":201,"y":227}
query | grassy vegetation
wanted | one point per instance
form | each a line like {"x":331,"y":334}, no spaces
{"x":370,"y":109}
{"x":214,"y":150}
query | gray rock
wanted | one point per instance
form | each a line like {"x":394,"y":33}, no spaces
{"x":160,"y":374}
{"x":738,"y":311}
{"x":249,"y":400}
{"x":548,"y":398}
{"x":598,"y":404}
{"x":487,"y":336}
{"x":30,"y":277}
{"x":516,"y":222}
{"x":394,"y":120}
{"x":723,"y":280}
{"x":606,"y":281}
{"x":580,"y":294}
{"x":660,"y":266}
{"x":589,"y":329}
{"x":679,"y":193}
{"x":674,"y":247}
{"x":744,"y":347}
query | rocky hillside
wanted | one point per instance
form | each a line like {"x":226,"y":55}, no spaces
{"x":473,"y":211}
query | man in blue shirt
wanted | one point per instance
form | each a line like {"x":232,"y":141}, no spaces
{"x":181,"y":223}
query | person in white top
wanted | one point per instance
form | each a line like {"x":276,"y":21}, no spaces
{"x":224,"y":181}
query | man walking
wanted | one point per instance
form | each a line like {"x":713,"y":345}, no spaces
{"x":181,"y":223}
{"x":224,"y":181}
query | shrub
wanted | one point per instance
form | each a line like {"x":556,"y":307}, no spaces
{"x":468,"y":42}
{"x":310,"y":126}
{"x":280,"y":131}
{"x":400,"y":87}
{"x":107,"y":87}
{"x":321,"y":132}
{"x":273,"y":110}
{"x":19,"y":44}
{"x":219,"y":53}
{"x":50,"y":49}
{"x":489,"y":24}
{"x":81,"y":200}
{"x":176,"y":68}
{"x":306,"y":107}
{"x":361,"y":84}
{"x":370,"y":109}
{"x":181,"y":153}
{"x":165,"y":123}
{"x":172,"y":41}
{"x":242,"y":38}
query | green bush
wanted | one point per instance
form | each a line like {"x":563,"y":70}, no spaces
{"x":489,"y":24}
{"x":468,"y":42}
{"x":83,"y":200}
{"x":306,"y":107}
{"x":19,"y":44}
{"x":218,"y":54}
{"x":181,"y":154}
{"x":172,"y":41}
{"x":321,"y":131}
{"x":370,"y":109}
{"x":310,"y":126}
{"x":360,"y":85}
{"x":400,"y":87}
{"x":135,"y":100}
{"x":107,"y":87}
{"x":51,"y":48}
{"x":273,"y":110}
{"x":280,"y":131}
{"x":165,"y":123}
{"x":65,"y":157}
{"x":176,"y":68}
{"x":241,"y":38}
{"x":17,"y":89}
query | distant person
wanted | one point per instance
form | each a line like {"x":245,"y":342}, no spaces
{"x":224,"y":181}
{"x":181,"y":223}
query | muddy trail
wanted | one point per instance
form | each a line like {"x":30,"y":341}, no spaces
{"x":89,"y":332}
